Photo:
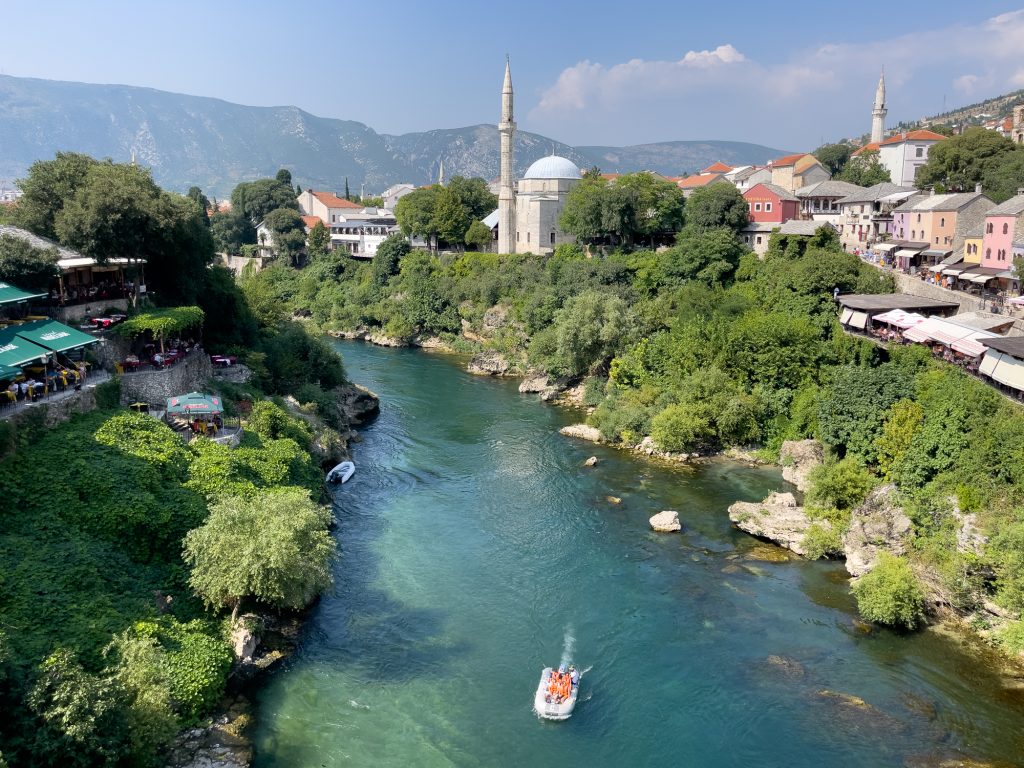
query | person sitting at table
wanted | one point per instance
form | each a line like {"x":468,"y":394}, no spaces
{"x":158,"y":360}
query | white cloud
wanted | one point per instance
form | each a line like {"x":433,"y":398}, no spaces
{"x":824,"y":91}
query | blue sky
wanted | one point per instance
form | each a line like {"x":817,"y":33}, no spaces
{"x":585,"y":72}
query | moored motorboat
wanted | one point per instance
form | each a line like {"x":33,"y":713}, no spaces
{"x":557,"y":693}
{"x":341,"y":473}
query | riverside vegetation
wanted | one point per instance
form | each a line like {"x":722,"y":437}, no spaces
{"x":702,"y":346}
{"x":122,"y":549}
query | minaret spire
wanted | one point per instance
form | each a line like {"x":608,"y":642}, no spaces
{"x":506,"y":193}
{"x":879,"y":112}
{"x":440,"y":174}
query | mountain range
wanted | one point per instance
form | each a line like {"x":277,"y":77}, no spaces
{"x":193,"y":140}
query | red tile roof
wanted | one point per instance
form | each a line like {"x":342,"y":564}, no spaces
{"x":311,"y":221}
{"x":872,"y":147}
{"x":787,"y":160}
{"x":920,"y":135}
{"x":331,"y":200}
{"x":610,"y":176}
{"x":717,"y":167}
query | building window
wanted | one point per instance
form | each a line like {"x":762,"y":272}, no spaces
{"x":1006,"y":228}
{"x":920,"y":151}
{"x":517,"y":235}
{"x":919,"y":218}
{"x":988,"y":228}
{"x":913,"y":234}
{"x":988,"y":253}
{"x":552,"y":238}
{"x":527,"y":237}
{"x":758,"y":239}
{"x":942,"y":221}
{"x":767,"y":206}
{"x":757,"y":206}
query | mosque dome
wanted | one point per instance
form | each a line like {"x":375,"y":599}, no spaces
{"x":553,"y":167}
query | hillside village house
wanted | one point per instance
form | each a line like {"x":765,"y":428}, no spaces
{"x":770,"y":206}
{"x":904,"y":153}
{"x":866,"y":217}
{"x":932,"y":229}
{"x":820,"y":201}
{"x":354,"y":228}
{"x":795,"y":171}
{"x":746,"y":176}
{"x":394,"y":193}
{"x":1002,"y":240}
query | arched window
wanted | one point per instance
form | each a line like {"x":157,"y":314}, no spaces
{"x":988,"y":228}
{"x":1006,"y":228}
{"x":942,"y":221}
{"x":988,"y":253}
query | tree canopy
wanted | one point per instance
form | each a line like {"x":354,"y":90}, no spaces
{"x":634,"y":208}
{"x":865,"y":170}
{"x":255,"y":199}
{"x":717,"y":205}
{"x":24,"y":265}
{"x":960,"y":162}
{"x":834,"y":156}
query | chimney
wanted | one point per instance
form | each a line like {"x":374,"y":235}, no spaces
{"x":1020,"y":190}
{"x":977,"y":187}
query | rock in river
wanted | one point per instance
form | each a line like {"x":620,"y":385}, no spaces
{"x":591,"y":462}
{"x":488,"y":364}
{"x":666,"y":522}
{"x":778,"y":518}
{"x":798,"y":458}
{"x":583,"y":432}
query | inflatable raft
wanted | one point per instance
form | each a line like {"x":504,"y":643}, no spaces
{"x":554,"y":706}
{"x":341,"y":473}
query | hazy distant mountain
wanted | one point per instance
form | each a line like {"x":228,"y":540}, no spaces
{"x":215,"y":144}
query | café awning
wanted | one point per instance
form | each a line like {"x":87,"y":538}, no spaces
{"x":1010,"y":372}
{"x":907,"y":253}
{"x":9,"y":294}
{"x":884,"y":247}
{"x":858,"y":320}
{"x":195,"y":403}
{"x":55,"y":336}
{"x":9,"y":372}
{"x":14,"y":350}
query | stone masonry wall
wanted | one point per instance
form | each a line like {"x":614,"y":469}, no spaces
{"x":155,"y":387}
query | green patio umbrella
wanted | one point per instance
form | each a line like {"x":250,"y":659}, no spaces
{"x":195,"y":403}
{"x":17,"y":351}
{"x":54,"y":335}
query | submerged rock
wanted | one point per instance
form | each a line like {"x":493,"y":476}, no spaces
{"x":613,"y":499}
{"x":766,"y":553}
{"x":778,"y":518}
{"x":798,"y":458}
{"x":876,"y":525}
{"x":666,"y":522}
{"x":583,"y":432}
{"x":591,"y":462}
{"x":786,"y":666}
{"x":488,"y":363}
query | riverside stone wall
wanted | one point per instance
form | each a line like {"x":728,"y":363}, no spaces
{"x":149,"y":386}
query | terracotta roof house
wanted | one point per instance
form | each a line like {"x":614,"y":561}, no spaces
{"x":717,"y":167}
{"x":799,"y":170}
{"x":904,"y":153}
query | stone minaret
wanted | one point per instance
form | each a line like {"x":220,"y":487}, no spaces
{"x":507,"y":195}
{"x":440,"y":174}
{"x":878,"y":113}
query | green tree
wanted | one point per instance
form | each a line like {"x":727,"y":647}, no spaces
{"x":474,"y":195}
{"x":28,"y":267}
{"x":864,"y":169}
{"x":657,"y":205}
{"x":450,"y":217}
{"x":319,"y":240}
{"x":47,"y":187}
{"x":255,"y":199}
{"x":889,"y":593}
{"x":289,"y":234}
{"x":715,"y":206}
{"x":582,"y":216}
{"x":196,"y":194}
{"x":901,"y":424}
{"x":284,"y":176}
{"x":588,"y":331}
{"x":478,"y":236}
{"x":775,"y":349}
{"x":387,"y":260}
{"x":348,"y":195}
{"x":231,"y":230}
{"x":839,"y":485}
{"x":274,"y":548}
{"x":679,"y":428}
{"x":83,"y":715}
{"x":415,"y":213}
{"x":1003,"y":179}
{"x":833,"y":156}
{"x":960,"y":162}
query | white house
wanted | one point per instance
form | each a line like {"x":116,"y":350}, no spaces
{"x":904,"y":153}
{"x":394,"y":193}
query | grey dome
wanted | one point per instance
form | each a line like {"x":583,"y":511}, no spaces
{"x":553,"y":167}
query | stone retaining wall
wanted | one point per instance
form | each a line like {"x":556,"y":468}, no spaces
{"x":191,"y":374}
{"x":915,"y":286}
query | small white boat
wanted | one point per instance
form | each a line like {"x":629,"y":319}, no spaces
{"x":341,"y":473}
{"x":553,"y":706}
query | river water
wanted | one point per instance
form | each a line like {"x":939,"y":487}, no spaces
{"x":475,"y":549}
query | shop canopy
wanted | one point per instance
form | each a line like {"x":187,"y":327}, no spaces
{"x":899,"y":318}
{"x":15,"y":350}
{"x":55,"y":336}
{"x":195,"y":402}
{"x":9,"y":294}
{"x":8,"y":372}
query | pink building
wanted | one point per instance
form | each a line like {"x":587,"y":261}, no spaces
{"x":1004,"y":225}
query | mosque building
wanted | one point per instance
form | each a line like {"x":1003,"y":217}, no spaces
{"x":528,"y":213}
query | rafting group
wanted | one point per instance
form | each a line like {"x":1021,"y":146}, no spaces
{"x":560,"y":684}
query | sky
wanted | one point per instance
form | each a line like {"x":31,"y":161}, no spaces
{"x":787,"y":75}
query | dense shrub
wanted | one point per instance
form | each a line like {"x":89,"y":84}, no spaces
{"x":840,"y":485}
{"x":890,"y":594}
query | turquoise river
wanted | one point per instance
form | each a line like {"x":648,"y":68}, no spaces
{"x":476,"y":548}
